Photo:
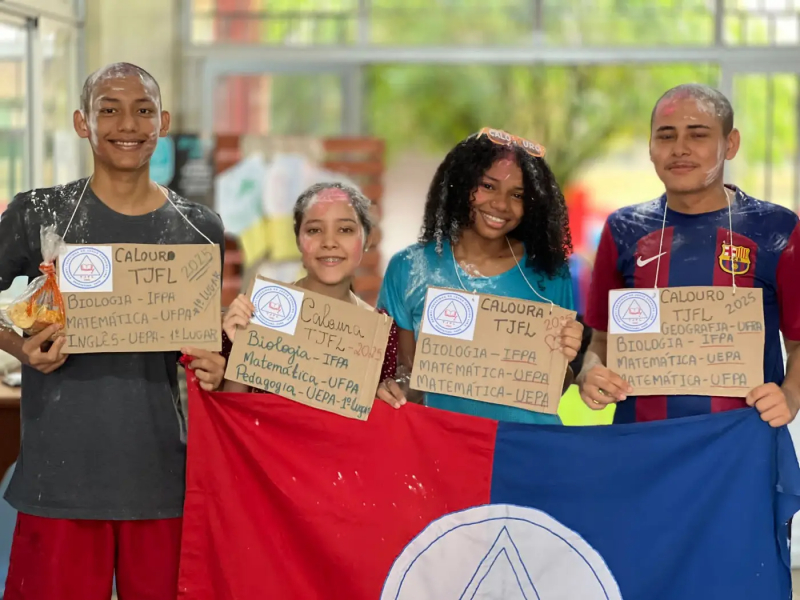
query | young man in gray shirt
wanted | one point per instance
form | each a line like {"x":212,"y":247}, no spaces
{"x":99,"y":484}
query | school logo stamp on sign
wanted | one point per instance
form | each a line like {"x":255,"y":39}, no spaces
{"x":86,"y":269}
{"x":499,"y":551}
{"x":734,"y":259}
{"x":276,"y":306}
{"x":450,"y":314}
{"x":634,"y":312}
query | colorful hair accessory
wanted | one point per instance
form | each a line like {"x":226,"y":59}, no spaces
{"x":498,"y":136}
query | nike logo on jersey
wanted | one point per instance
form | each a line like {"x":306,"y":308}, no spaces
{"x":643,"y":262}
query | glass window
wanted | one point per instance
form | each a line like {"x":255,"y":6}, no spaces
{"x":279,"y":104}
{"x":464,"y":22}
{"x":13,"y":118}
{"x":766,"y":106}
{"x":61,"y":90}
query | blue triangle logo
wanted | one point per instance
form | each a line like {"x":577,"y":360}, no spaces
{"x":501,"y":574}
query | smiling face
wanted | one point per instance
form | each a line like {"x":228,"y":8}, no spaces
{"x":497,"y":203}
{"x":688,"y":146}
{"x":331,"y":237}
{"x":124,"y":121}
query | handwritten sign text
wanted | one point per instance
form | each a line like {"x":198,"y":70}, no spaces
{"x":141,"y":298}
{"x":711,"y":343}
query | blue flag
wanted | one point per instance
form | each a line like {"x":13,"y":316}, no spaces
{"x":684,"y":509}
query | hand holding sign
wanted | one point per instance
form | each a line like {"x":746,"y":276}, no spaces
{"x":209,"y":367}
{"x":44,"y":361}
{"x":391,"y":393}
{"x":238,"y":316}
{"x":600,"y":386}
{"x":773,"y":404}
{"x":571,"y":338}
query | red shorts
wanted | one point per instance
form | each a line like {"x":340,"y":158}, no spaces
{"x":59,"y":559}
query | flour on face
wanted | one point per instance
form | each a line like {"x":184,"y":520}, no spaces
{"x":110,"y":79}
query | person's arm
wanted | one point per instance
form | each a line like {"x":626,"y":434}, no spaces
{"x":577,"y":364}
{"x":571,"y":331}
{"x":14,"y":260}
{"x":599,"y":386}
{"x":235,"y":318}
{"x":239,"y":321}
{"x":389,"y":366}
{"x":406,"y":349}
{"x":597,"y":352}
{"x":235,"y":386}
{"x":779,"y":405}
{"x":393,"y":299}
{"x":389,"y":389}
{"x":35,"y":351}
{"x":11,"y":342}
{"x":788,"y":290}
{"x":791,"y":384}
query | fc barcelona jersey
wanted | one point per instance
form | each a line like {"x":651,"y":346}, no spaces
{"x":697,"y":251}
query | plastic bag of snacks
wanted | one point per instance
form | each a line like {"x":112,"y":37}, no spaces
{"x":41,"y":304}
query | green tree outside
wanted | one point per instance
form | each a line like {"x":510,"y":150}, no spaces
{"x":579,"y":113}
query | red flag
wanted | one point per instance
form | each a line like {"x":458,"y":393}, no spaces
{"x":287,"y":502}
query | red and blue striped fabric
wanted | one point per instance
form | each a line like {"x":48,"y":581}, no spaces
{"x":696,"y":250}
{"x":287,"y":502}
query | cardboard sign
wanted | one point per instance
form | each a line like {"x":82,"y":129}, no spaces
{"x":310,"y":348}
{"x":491,"y":348}
{"x":708,"y":341}
{"x":141,"y":297}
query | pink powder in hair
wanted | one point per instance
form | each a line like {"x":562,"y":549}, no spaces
{"x":332,"y":195}
{"x":668,"y":109}
{"x":508,"y":154}
{"x":504,"y":168}
{"x":669,"y":105}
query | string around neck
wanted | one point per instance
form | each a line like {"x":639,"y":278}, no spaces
{"x":730,"y":235}
{"x":161,"y":188}
{"x":180,"y":212}
{"x":516,"y":262}
{"x":728,"y":194}
{"x":77,"y":205}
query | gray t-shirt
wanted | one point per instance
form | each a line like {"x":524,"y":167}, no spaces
{"x":103,"y":436}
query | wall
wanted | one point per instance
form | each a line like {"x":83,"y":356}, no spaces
{"x":406,"y":184}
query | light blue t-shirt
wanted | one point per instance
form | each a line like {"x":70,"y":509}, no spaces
{"x":413,"y":270}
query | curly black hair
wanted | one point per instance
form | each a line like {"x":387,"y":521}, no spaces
{"x":544,"y":228}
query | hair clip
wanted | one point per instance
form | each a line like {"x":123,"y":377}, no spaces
{"x":498,"y":136}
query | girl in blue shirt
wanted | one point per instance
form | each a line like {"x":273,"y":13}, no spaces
{"x":495,"y":223}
